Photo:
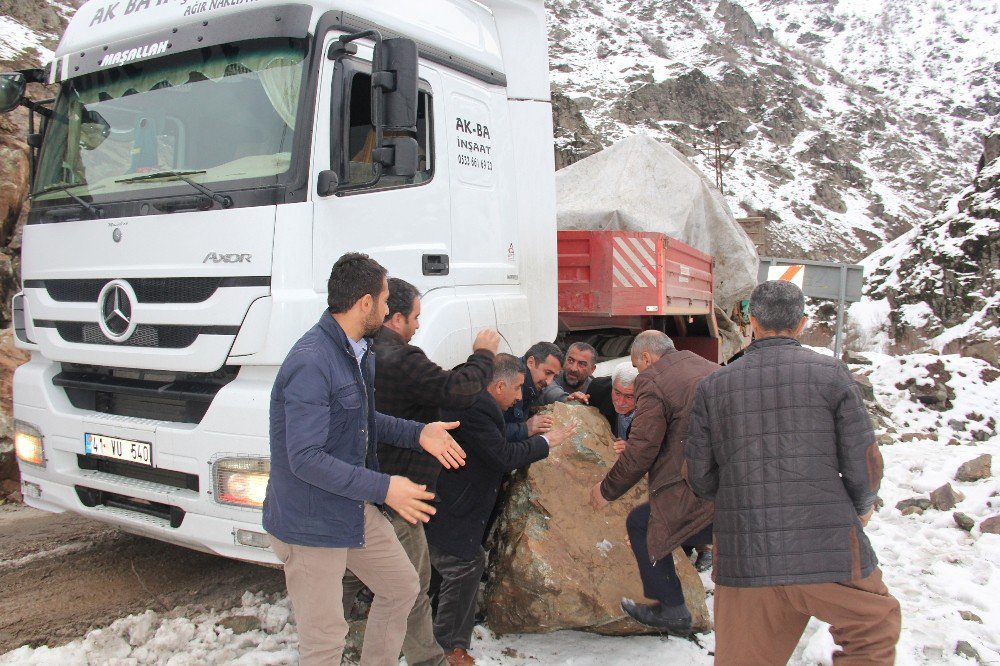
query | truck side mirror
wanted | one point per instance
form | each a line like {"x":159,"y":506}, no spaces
{"x":12,"y":90}
{"x":398,"y":156}
{"x":394,"y":82}
{"x":327,"y":182}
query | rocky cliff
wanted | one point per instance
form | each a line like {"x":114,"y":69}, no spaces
{"x":942,"y":279}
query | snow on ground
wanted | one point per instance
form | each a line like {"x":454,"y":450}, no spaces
{"x":935,"y":569}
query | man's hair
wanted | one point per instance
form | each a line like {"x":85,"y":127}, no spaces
{"x":624,"y":375}
{"x":656,"y":343}
{"x":583,"y":347}
{"x":506,"y":368}
{"x":401,"y":297}
{"x":540,"y":351}
{"x":353,"y":276}
{"x":777,"y":305}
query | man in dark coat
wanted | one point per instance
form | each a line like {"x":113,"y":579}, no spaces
{"x":456,"y":532}
{"x":674,"y":516}
{"x":542,"y":361}
{"x":781,"y":441}
{"x":576,"y":376}
{"x":614,"y":398}
{"x":409,"y":385}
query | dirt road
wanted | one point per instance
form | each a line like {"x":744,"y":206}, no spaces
{"x":61,"y":575}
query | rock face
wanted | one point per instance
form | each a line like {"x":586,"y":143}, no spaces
{"x":10,"y":358}
{"x":560,"y":564}
{"x":941,"y":279}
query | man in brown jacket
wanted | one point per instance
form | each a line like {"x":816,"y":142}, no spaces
{"x":781,"y":441}
{"x":674,"y":516}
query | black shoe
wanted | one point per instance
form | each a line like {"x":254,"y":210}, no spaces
{"x":674,"y":620}
{"x":704,"y":561}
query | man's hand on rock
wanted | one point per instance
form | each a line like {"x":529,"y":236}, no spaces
{"x":539,"y":424}
{"x":435,"y":440}
{"x":619,"y":446}
{"x":487,"y":339}
{"x":597,"y":501}
{"x":557,"y":437}
{"x":578,"y":396}
{"x":406,"y":498}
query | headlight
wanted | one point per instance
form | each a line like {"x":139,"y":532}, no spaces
{"x":241,"y":481}
{"x":28,"y":444}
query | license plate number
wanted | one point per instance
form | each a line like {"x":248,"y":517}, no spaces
{"x":117,"y":448}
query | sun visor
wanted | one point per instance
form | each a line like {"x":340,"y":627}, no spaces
{"x":288,"y":21}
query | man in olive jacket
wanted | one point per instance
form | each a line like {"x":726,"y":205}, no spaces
{"x":781,"y":441}
{"x":674,"y":516}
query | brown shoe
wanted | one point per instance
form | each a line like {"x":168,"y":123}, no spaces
{"x":460,"y":657}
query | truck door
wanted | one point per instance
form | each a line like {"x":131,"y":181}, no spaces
{"x":403,"y":222}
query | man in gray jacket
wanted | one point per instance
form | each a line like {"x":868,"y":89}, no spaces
{"x":781,"y":442}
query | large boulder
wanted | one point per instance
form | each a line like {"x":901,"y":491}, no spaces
{"x":559,"y":564}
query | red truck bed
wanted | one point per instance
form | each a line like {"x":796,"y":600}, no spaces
{"x":628,"y":274}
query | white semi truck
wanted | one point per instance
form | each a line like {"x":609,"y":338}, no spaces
{"x":203,"y":165}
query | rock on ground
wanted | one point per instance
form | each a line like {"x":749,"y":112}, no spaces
{"x":975,"y":469}
{"x":946,"y":497}
{"x":990,"y":525}
{"x":561,"y":565}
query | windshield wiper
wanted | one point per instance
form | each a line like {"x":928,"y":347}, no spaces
{"x":64,"y":187}
{"x":223,"y":200}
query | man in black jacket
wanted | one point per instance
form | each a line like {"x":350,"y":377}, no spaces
{"x":542,"y":362}
{"x":614,"y":398}
{"x":409,"y":385}
{"x":456,"y":532}
{"x":781,"y":442}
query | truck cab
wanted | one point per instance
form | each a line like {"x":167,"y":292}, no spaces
{"x":202,"y":167}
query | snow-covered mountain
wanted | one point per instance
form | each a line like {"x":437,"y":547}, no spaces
{"x":854,"y":117}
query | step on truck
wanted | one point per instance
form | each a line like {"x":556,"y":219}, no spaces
{"x":201,"y":167}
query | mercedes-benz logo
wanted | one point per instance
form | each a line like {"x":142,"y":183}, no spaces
{"x":115,"y":317}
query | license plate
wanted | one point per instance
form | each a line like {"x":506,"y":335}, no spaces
{"x":117,"y":448}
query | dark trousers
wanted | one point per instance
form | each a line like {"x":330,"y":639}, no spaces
{"x":457,"y":596}
{"x":659,"y":579}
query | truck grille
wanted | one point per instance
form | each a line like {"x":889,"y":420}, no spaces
{"x":147,"y":394}
{"x":147,"y":290}
{"x":161,"y":336}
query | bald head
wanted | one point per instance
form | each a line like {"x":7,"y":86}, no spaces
{"x":648,"y":347}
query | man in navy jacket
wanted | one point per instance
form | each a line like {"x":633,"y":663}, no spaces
{"x":455,"y":535}
{"x":322,"y":507}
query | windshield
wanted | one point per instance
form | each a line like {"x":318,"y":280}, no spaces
{"x":222,"y":113}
